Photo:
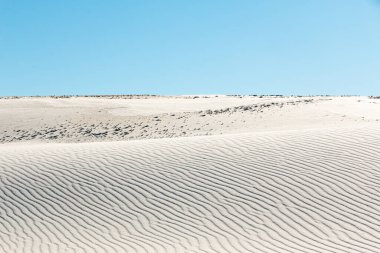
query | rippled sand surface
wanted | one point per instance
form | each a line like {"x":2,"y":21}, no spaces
{"x":296,"y":191}
{"x":277,"y":174}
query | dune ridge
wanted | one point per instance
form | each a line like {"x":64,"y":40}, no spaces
{"x":95,"y":119}
{"x":285,"y":191}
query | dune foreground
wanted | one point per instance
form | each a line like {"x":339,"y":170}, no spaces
{"x":304,"y":191}
{"x":309,"y":185}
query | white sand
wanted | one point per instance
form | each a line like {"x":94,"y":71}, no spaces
{"x":284,"y":176}
{"x":104,"y":119}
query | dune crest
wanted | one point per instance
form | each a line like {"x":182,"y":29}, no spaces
{"x":114,"y":118}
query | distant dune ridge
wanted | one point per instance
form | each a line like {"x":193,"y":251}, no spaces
{"x":114,"y":118}
{"x":307,"y":184}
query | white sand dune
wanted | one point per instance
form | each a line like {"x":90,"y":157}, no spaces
{"x":277,"y":191}
{"x":89,"y":119}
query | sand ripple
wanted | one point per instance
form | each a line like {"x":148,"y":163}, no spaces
{"x":308,"y":191}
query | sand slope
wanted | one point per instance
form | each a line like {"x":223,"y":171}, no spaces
{"x":289,"y":191}
{"x":88,"y":119}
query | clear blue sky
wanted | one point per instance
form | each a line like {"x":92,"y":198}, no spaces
{"x":189,"y":47}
